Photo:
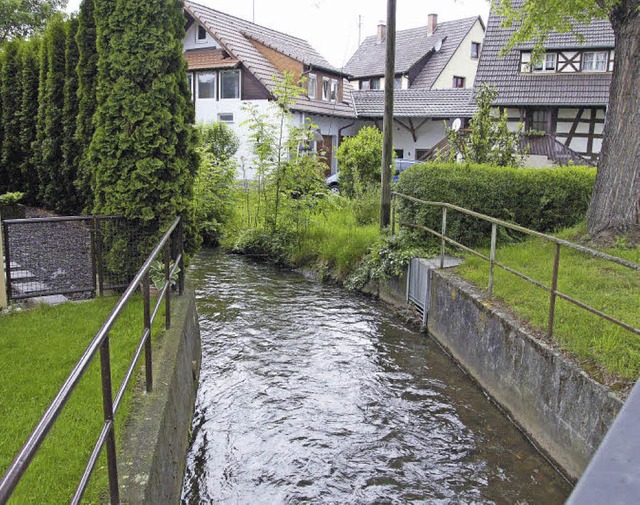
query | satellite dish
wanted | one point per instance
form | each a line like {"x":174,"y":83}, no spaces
{"x":438,"y":45}
{"x":456,"y":125}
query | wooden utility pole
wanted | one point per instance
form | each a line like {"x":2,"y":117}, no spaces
{"x":387,"y":148}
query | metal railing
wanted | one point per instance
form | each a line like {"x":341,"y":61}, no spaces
{"x":553,"y":289}
{"x":171,"y":246}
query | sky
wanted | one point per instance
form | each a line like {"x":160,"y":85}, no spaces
{"x":331,"y":26}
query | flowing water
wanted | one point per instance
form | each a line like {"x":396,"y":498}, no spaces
{"x":313,"y":394}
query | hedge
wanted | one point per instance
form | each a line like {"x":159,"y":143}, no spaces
{"x":542,"y":199}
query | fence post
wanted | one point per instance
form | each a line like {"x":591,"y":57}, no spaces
{"x":107,"y":407}
{"x":492,"y":256}
{"x":99,"y":261}
{"x":167,"y":283}
{"x":3,"y":287}
{"x":554,"y":290}
{"x":444,"y":232}
{"x":181,"y":250}
{"x":146,"y":283}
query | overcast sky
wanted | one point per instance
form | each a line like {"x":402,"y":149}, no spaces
{"x":331,"y":26}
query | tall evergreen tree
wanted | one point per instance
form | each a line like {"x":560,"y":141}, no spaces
{"x":29,"y":115}
{"x":11,"y":88}
{"x":142,"y":149}
{"x":87,"y":80}
{"x":4,"y":178}
{"x":50,"y":113}
{"x":68,"y":200}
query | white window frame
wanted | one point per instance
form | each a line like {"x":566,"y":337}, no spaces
{"x":335,"y":91}
{"x":198,"y":39}
{"x":548,"y":64}
{"x":239,"y":74}
{"x":478,"y":45}
{"x":326,"y":89}
{"x":365,"y":85}
{"x":312,"y":89}
{"x":215,"y":86}
{"x":221,"y":117}
{"x":594,"y":61}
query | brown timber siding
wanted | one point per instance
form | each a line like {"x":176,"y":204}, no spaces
{"x":281,"y":61}
{"x":252,"y":89}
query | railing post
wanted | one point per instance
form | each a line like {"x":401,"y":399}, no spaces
{"x":444,"y":233}
{"x":167,"y":283}
{"x":99,"y":262}
{"x":554,"y":290}
{"x":181,"y":250}
{"x":107,"y":407}
{"x":94,"y":266}
{"x":3,"y":288}
{"x":492,"y":257}
{"x":146,"y":283}
{"x":393,"y":214}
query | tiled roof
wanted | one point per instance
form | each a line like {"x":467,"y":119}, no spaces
{"x":411,"y":47}
{"x":235,"y":35}
{"x":445,"y":103}
{"x":199,"y":59}
{"x":515,"y":88}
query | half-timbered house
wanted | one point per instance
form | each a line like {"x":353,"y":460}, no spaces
{"x":564,"y":93}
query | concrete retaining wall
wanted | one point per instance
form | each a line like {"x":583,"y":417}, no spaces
{"x":565,"y":412}
{"x":153,"y":451}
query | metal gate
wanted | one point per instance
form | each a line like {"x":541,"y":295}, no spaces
{"x":61,"y":257}
{"x":418,"y":284}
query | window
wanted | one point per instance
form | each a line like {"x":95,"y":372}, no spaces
{"x":399,"y":154}
{"x":334,"y":90}
{"x":326,"y":88}
{"x":421,"y":153}
{"x":475,"y":50}
{"x":547,"y":63}
{"x":229,"y":84}
{"x":313,"y":86}
{"x":595,"y":61}
{"x":397,"y":83}
{"x":207,"y":85}
{"x":364,"y":85}
{"x":201,"y":34}
{"x":538,"y":120}
{"x":225,"y":117}
{"x":375,"y":83}
{"x":458,"y":82}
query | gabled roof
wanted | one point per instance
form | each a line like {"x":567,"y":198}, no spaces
{"x":412,"y":46}
{"x":514,"y":88}
{"x":236,"y":35}
{"x":442,"y":103}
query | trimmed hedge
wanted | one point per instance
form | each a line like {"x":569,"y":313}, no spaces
{"x":542,"y":199}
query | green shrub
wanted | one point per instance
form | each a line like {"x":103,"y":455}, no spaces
{"x":544,"y":200}
{"x":360,"y":159}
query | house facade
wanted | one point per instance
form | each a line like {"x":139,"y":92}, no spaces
{"x":565,"y":93}
{"x":435,"y":72}
{"x":233,"y":63}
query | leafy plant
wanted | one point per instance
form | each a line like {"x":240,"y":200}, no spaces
{"x":157,"y":274}
{"x":360,"y":160}
{"x":11,"y":198}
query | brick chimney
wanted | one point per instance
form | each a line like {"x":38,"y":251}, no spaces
{"x":432,"y":23}
{"x":382,"y":32}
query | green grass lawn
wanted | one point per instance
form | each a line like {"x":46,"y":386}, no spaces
{"x":38,"y":349}
{"x":603,"y":349}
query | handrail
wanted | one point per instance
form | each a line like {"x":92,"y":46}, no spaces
{"x":100,"y":342}
{"x":553,"y":289}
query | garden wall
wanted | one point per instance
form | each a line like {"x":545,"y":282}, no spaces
{"x":154,"y":447}
{"x":562,"y":410}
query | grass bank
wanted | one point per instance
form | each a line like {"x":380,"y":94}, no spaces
{"x":38,"y":349}
{"x":605,"y":350}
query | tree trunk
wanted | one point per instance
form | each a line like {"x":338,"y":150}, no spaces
{"x":615,"y":204}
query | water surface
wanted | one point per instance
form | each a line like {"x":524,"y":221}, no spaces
{"x":313,"y":394}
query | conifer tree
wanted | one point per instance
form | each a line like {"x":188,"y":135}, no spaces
{"x":87,"y":80}
{"x":50,"y":112}
{"x":29,"y":115}
{"x":142,"y":149}
{"x":68,"y":199}
{"x":3,"y":175}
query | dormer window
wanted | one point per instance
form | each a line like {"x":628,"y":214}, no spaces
{"x":201,"y":34}
{"x":458,"y":82}
{"x":595,"y":61}
{"x":547,"y":64}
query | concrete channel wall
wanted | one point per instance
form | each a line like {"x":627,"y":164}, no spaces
{"x":153,"y":450}
{"x":562,"y":410}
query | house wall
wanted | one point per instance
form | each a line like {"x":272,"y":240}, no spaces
{"x":461,"y":63}
{"x":334,"y":127}
{"x":579,"y":128}
{"x":190,"y":42}
{"x":427,"y":135}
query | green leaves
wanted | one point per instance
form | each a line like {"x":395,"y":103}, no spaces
{"x":360,"y":160}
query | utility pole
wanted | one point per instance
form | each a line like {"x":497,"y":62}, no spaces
{"x":359,"y":29}
{"x":387,"y":147}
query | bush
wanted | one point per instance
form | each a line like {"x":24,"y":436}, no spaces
{"x":544,"y":200}
{"x":360,"y":159}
